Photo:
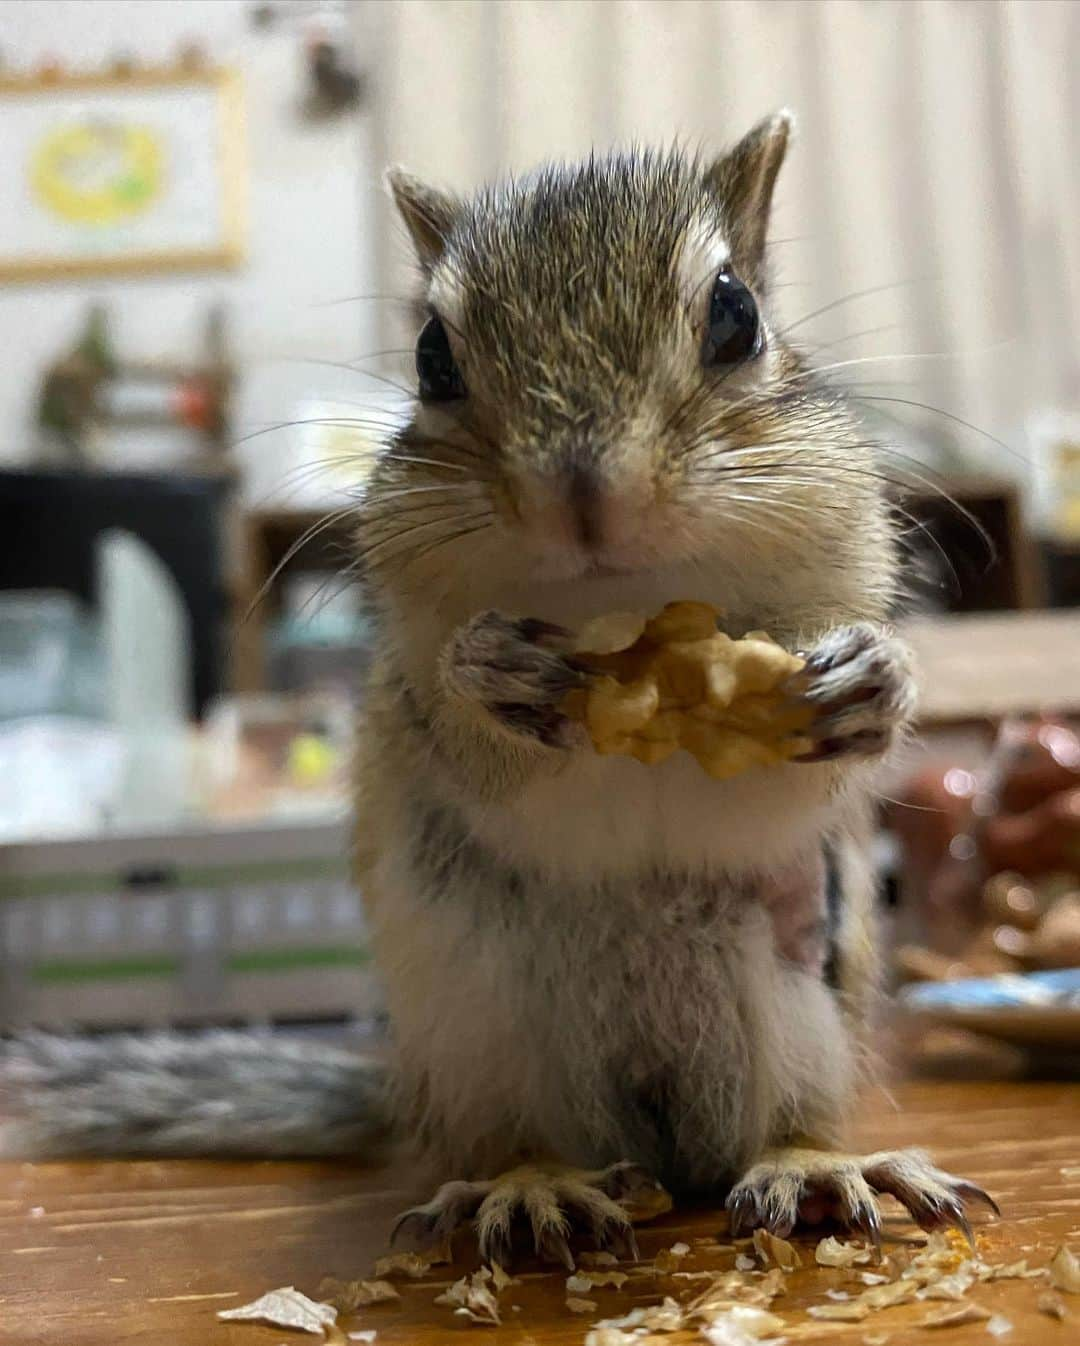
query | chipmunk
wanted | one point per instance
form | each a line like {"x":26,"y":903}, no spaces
{"x":601,"y":977}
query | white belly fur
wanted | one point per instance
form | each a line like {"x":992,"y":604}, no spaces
{"x":524,"y":1037}
{"x":612,"y":815}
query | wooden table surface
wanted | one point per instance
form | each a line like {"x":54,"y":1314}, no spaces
{"x":97,"y":1253}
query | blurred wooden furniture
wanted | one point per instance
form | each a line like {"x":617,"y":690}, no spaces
{"x":980,"y":667}
{"x":147,"y":1252}
{"x":277,"y":542}
{"x":969,"y":533}
{"x":1061,"y":566}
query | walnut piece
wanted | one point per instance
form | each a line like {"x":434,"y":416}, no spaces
{"x":676,"y":681}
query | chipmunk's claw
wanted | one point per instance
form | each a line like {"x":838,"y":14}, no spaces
{"x":970,"y":1191}
{"x":865,"y":1219}
{"x":551,"y":1246}
{"x":789,"y":1186}
{"x":553,"y":1201}
{"x":744,"y":1213}
{"x":933,"y":1198}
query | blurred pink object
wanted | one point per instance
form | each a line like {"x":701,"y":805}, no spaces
{"x":1017,"y":818}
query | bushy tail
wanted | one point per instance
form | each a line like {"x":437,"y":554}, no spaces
{"x":169,"y":1094}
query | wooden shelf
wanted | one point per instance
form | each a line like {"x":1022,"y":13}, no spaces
{"x":275,"y":543}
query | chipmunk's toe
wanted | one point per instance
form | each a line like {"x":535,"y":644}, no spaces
{"x":793,"y":1186}
{"x":859,"y":681}
{"x":434,"y":1223}
{"x":551,"y":1202}
{"x":789,"y":1188}
{"x":557,"y":1203}
{"x":519,"y":670}
{"x":934,"y":1199}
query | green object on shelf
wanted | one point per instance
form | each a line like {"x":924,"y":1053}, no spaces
{"x":74,"y":970}
{"x":104,"y":969}
{"x":288,"y":960}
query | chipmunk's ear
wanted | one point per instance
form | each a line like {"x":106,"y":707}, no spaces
{"x":429,"y":214}
{"x":743,"y":181}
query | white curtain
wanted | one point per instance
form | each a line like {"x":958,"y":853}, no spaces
{"x":937,"y":163}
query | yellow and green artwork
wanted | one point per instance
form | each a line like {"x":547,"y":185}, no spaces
{"x":120,"y":173}
{"x":98,"y":172}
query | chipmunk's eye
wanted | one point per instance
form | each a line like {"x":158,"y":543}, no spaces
{"x":440,"y":378}
{"x":734,"y":331}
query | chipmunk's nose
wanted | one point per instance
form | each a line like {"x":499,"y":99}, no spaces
{"x":586,"y":503}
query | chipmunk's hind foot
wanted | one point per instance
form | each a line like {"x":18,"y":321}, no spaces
{"x":551,"y":1201}
{"x":811,"y":1186}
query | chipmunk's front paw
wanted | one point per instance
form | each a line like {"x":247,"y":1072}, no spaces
{"x":553,"y":1201}
{"x":792,"y":1185}
{"x":860,"y":682}
{"x":519,"y":670}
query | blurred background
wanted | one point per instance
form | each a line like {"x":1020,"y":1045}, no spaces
{"x":205,"y":328}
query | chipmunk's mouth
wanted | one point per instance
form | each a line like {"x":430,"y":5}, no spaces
{"x":644,"y":546}
{"x":601,"y":570}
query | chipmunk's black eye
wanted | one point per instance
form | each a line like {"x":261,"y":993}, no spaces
{"x":440,"y":378}
{"x":734,"y":331}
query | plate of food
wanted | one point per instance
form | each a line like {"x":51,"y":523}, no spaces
{"x":1029,"y":1009}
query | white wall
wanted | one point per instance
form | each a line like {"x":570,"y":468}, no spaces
{"x":929,"y":202}
{"x":310,"y":196}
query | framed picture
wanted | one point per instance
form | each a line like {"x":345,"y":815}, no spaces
{"x":120,"y":173}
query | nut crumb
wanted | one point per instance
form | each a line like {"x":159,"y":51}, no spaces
{"x":501,"y":1279}
{"x":770,"y":1248}
{"x":600,"y":1259}
{"x":885,"y":1296}
{"x":1052,"y":1305}
{"x":954,"y":1286}
{"x":411,"y":1265}
{"x":348,"y":1296}
{"x":599,"y":1279}
{"x":854,"y":1312}
{"x":470,"y":1298}
{"x":285,"y":1307}
{"x":740,"y":1325}
{"x":1065,"y":1271}
{"x":964,"y":1313}
{"x":831,"y":1252}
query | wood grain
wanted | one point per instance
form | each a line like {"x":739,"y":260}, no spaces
{"x":102,"y":1253}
